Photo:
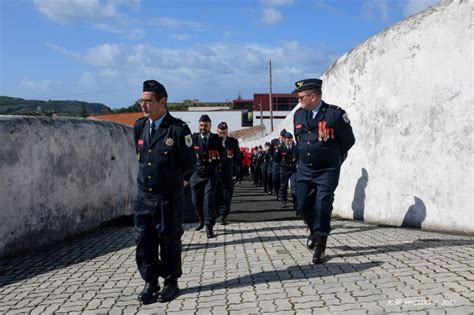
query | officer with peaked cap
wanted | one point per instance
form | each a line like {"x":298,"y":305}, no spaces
{"x":165,"y":157}
{"x":208,"y":150}
{"x":230,"y":158}
{"x":274,"y":147}
{"x":324,"y":136}
{"x":267,"y":169}
{"x":287,"y":159}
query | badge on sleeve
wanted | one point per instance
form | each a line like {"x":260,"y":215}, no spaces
{"x":188,"y":140}
{"x":346,"y":118}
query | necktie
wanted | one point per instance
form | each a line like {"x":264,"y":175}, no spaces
{"x":204,"y":143}
{"x":153,"y":130}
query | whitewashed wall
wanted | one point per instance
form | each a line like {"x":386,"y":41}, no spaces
{"x":409,"y":94}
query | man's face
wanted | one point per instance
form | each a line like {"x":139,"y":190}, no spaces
{"x":204,"y":127}
{"x":309,"y":99}
{"x":222,"y":132}
{"x":150,"y":106}
{"x":289,"y":141}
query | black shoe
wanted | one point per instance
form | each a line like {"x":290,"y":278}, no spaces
{"x":319,"y":256}
{"x":169,"y":292}
{"x":210,"y":232}
{"x":224,"y":220}
{"x":146,"y":296}
{"x":276,"y":197}
{"x":311,"y":242}
{"x":283,"y":204}
{"x":200,"y":226}
{"x":270,"y":192}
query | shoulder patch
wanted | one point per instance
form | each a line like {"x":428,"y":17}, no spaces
{"x":346,"y":118}
{"x":188,"y":140}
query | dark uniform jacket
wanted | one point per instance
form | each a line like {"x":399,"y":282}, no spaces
{"x":324,"y":141}
{"x":267,"y":157}
{"x":165,"y":160}
{"x":274,"y":146}
{"x":208,"y":158}
{"x":286,"y":156}
{"x":230,"y":156}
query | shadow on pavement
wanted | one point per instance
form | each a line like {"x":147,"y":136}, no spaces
{"x":260,"y":239}
{"x":290,"y":273}
{"x":72,"y":251}
{"x":415,"y":245}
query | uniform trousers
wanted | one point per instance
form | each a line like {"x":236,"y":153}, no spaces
{"x":224,"y":190}
{"x":287,"y":176}
{"x":315,"y":195}
{"x":276,"y":177}
{"x":158,"y":230}
{"x":203,"y":191}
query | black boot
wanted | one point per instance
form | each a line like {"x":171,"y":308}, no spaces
{"x":283,"y":204}
{"x":169,"y":292}
{"x":146,"y":296}
{"x":200,"y":226}
{"x":311,"y":241}
{"x":319,"y":256}
{"x":210,"y":231}
{"x":224,"y":220}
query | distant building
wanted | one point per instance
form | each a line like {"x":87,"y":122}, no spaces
{"x":282,"y":103}
{"x":243,"y":115}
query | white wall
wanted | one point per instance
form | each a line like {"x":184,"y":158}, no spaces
{"x":267,"y":121}
{"x":409,"y":94}
{"x":61,"y":177}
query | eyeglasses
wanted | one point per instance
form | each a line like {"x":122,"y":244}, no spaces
{"x":143,"y":102}
{"x":300,"y":98}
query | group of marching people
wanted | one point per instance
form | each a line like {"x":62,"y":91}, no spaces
{"x":170,"y":158}
{"x":273,"y":167}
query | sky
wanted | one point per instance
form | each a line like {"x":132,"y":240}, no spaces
{"x":209,"y":50}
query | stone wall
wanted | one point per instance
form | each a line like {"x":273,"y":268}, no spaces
{"x":61,"y":177}
{"x":409,"y":94}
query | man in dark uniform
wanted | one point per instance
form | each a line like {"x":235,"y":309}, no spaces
{"x":274,"y":147}
{"x":208,"y":149}
{"x":324,"y":136}
{"x":287,"y":158}
{"x":228,"y":170}
{"x":166,"y":160}
{"x":267,"y":169}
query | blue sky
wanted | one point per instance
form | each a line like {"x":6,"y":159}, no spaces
{"x":210,"y":50}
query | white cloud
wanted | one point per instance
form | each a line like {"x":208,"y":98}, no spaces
{"x":168,"y":22}
{"x":103,"y":56}
{"x":131,"y":33}
{"x":271,"y":16}
{"x":87,"y":80}
{"x":207,"y":72}
{"x":40,"y":85}
{"x":109,"y":73}
{"x":68,"y":11}
{"x":276,"y":3}
{"x":414,"y":6}
{"x":376,"y":10}
{"x":182,"y":37}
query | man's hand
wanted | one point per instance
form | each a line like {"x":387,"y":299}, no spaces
{"x":185,"y":184}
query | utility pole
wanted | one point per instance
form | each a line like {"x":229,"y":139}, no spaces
{"x":270,"y":98}
{"x":261,"y":116}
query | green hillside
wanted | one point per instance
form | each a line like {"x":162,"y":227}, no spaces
{"x":19,"y":106}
